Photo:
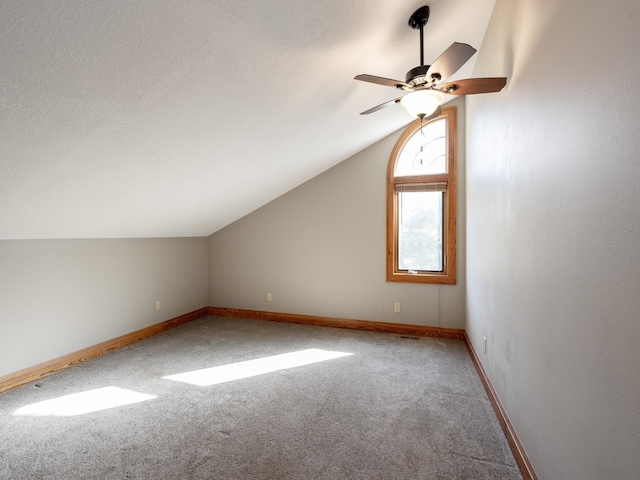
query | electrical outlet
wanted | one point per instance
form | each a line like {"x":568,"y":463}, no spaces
{"x":158,"y":305}
{"x":268,"y":297}
{"x":396,"y":307}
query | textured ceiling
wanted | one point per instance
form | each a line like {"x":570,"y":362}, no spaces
{"x":161,"y":118}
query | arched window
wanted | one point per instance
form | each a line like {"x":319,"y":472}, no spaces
{"x":421,"y":202}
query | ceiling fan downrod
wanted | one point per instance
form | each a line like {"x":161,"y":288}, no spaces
{"x":418,"y":20}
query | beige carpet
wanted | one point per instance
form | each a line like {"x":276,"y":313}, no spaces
{"x":224,"y":398}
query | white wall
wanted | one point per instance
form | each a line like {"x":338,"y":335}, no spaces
{"x":553,"y":231}
{"x":320,"y":250}
{"x":59,"y":296}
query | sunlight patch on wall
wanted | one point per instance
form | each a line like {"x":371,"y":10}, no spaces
{"x":252,"y":368}
{"x":84,"y":402}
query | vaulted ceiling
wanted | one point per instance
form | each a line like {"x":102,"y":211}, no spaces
{"x":162,"y":118}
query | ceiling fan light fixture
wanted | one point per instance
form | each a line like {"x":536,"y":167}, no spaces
{"x":422,"y":102}
{"x":423,"y":81}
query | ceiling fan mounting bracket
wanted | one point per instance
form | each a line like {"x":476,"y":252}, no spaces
{"x":419,"y":18}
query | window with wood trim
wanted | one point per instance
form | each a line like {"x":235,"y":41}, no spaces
{"x":421,"y":202}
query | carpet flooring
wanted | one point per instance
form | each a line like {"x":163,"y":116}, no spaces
{"x":352,"y":405}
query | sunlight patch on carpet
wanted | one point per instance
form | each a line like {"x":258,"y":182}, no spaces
{"x":84,"y":402}
{"x":252,"y":368}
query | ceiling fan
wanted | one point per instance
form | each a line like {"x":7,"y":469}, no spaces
{"x":424,"y":81}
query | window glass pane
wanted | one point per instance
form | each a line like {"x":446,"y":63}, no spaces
{"x":425,"y":151}
{"x":420,"y":231}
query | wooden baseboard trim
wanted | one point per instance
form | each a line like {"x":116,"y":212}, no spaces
{"x":520,"y":456}
{"x":370,"y":326}
{"x":41,"y":370}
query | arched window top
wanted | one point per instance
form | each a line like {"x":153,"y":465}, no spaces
{"x":425,"y":151}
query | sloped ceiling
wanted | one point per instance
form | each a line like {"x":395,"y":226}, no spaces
{"x":163,"y":118}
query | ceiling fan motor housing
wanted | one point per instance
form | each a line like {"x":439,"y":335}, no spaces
{"x":418,"y":76}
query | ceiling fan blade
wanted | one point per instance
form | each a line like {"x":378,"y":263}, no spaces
{"x":381,"y":106}
{"x":388,"y":82}
{"x":472,"y":86}
{"x":451,"y":60}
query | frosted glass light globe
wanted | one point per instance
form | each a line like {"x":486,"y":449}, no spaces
{"x":422,"y":102}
